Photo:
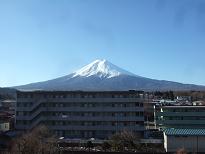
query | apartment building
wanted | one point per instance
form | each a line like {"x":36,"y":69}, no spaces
{"x":180,"y":116}
{"x":81,"y":114}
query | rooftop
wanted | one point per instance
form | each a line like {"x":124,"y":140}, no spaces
{"x":184,"y":132}
{"x":79,"y":91}
{"x":187,"y":106}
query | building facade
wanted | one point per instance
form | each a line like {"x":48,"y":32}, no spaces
{"x":79,"y":114}
{"x":180,"y":116}
{"x":192,"y":140}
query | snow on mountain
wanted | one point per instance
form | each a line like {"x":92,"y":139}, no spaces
{"x":103,"y":75}
{"x":101,"y":68}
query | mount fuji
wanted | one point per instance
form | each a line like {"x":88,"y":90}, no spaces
{"x":103,"y":75}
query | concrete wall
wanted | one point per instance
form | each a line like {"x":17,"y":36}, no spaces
{"x":190,"y":143}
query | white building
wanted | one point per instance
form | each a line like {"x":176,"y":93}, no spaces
{"x":4,"y":126}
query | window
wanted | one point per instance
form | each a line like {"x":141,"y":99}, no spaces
{"x":114,"y":123}
{"x":141,"y":114}
{"x":20,"y":113}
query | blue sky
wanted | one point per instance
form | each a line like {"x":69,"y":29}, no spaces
{"x":46,"y":39}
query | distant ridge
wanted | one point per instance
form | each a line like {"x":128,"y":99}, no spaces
{"x":103,"y":75}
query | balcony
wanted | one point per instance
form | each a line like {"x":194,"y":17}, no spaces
{"x":90,"y":100}
{"x":88,"y":109}
{"x":180,"y":122}
{"x":181,"y":114}
{"x":138,"y":128}
{"x":59,"y":127}
{"x":97,"y":118}
{"x":85,"y":118}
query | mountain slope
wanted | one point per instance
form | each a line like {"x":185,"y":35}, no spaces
{"x":103,"y":75}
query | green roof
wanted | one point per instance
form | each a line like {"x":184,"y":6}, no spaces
{"x":184,"y":132}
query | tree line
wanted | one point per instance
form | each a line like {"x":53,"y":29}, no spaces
{"x":42,"y":141}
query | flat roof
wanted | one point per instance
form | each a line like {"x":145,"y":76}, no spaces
{"x":79,"y":91}
{"x":184,"y":132}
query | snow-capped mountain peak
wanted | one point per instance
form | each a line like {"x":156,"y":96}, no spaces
{"x":101,"y":68}
{"x":102,"y":75}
